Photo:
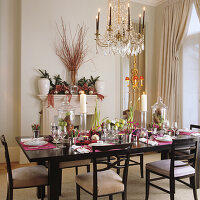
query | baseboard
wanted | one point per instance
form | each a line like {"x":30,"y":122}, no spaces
{"x":14,"y":154}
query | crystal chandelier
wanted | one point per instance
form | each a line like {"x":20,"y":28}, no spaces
{"x":121,"y":37}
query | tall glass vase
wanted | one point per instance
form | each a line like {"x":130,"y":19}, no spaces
{"x":72,"y":79}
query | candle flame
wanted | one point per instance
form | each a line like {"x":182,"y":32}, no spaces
{"x":128,"y":5}
{"x":110,"y":4}
{"x":99,"y":10}
{"x":140,"y":15}
{"x":96,"y":17}
{"x":144,"y":8}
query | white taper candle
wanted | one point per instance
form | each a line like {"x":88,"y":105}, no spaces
{"x":143,"y":102}
{"x":83,"y":107}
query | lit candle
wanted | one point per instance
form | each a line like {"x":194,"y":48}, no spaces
{"x":96,"y":24}
{"x":129,"y":18}
{"x":83,"y":108}
{"x":143,"y":17}
{"x":140,"y":23}
{"x":143,"y":102}
{"x":110,"y":14}
{"x":98,"y":19}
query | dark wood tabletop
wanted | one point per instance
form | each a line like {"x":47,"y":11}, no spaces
{"x":68,"y":154}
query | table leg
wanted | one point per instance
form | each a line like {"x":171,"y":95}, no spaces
{"x":164,"y":154}
{"x":53,"y":187}
{"x":197,"y":170}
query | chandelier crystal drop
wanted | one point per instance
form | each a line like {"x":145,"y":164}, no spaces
{"x":121,"y":36}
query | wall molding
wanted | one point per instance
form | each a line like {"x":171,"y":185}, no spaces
{"x":150,"y":2}
{"x":13,"y":152}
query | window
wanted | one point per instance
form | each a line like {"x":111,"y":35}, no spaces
{"x":191,"y":73}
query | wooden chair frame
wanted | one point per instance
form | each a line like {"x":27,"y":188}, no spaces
{"x":10,"y":178}
{"x":109,"y":151}
{"x":190,"y":144}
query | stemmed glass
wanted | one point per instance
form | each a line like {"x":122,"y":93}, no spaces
{"x":62,"y":132}
{"x":115,"y":134}
{"x":56,"y":138}
{"x":106,"y":133}
{"x":174,"y":127}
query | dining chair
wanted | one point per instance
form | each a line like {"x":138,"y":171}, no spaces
{"x":176,"y":168}
{"x":194,"y":126}
{"x":24,"y":177}
{"x":134,"y":162}
{"x":104,"y":181}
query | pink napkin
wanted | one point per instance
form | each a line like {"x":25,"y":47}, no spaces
{"x":32,"y":148}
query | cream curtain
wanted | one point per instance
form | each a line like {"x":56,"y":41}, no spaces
{"x":175,"y":25}
{"x":197,"y":5}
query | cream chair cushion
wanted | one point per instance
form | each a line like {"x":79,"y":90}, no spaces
{"x":108,"y":182}
{"x":75,"y":163}
{"x":163,"y":167}
{"x":30,"y":176}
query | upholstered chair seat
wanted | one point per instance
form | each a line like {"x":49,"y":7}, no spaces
{"x":108,"y":182}
{"x":163,"y":167}
{"x":29,"y":176}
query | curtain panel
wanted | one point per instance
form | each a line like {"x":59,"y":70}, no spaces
{"x":197,"y":6}
{"x":175,"y":25}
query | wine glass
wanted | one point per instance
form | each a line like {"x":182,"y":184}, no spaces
{"x":56,"y":138}
{"x":174,"y":127}
{"x":62,"y":132}
{"x":115,"y":134}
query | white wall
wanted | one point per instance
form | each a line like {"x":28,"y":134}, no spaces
{"x":10,"y":72}
{"x":39,"y":34}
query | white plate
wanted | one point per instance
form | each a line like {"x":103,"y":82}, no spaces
{"x":35,"y":143}
{"x":195,"y":134}
{"x":184,"y":130}
{"x":164,"y":139}
{"x":98,"y":144}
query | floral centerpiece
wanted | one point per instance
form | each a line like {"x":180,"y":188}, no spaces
{"x":36,"y":130}
{"x":97,"y":124}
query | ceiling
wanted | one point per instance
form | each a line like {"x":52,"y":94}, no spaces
{"x":150,"y":2}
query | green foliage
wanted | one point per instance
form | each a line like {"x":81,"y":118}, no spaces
{"x":90,"y":82}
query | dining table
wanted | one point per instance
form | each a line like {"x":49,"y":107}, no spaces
{"x":54,"y":157}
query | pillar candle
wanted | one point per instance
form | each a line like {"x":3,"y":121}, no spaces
{"x":143,"y":102}
{"x":83,"y":108}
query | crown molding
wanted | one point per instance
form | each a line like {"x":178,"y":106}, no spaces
{"x":150,"y":2}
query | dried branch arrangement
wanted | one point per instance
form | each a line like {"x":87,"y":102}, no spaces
{"x":72,"y":50}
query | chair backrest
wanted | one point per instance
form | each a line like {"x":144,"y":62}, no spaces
{"x":194,"y":126}
{"x":7,"y":157}
{"x":190,"y":146}
{"x":122,"y":151}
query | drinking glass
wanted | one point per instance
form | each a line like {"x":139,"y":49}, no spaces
{"x":174,"y":127}
{"x":62,"y":133}
{"x":56,"y":138}
{"x":115,"y":135}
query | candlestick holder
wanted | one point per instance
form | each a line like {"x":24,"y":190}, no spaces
{"x":143,"y":120}
{"x":83,"y":122}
